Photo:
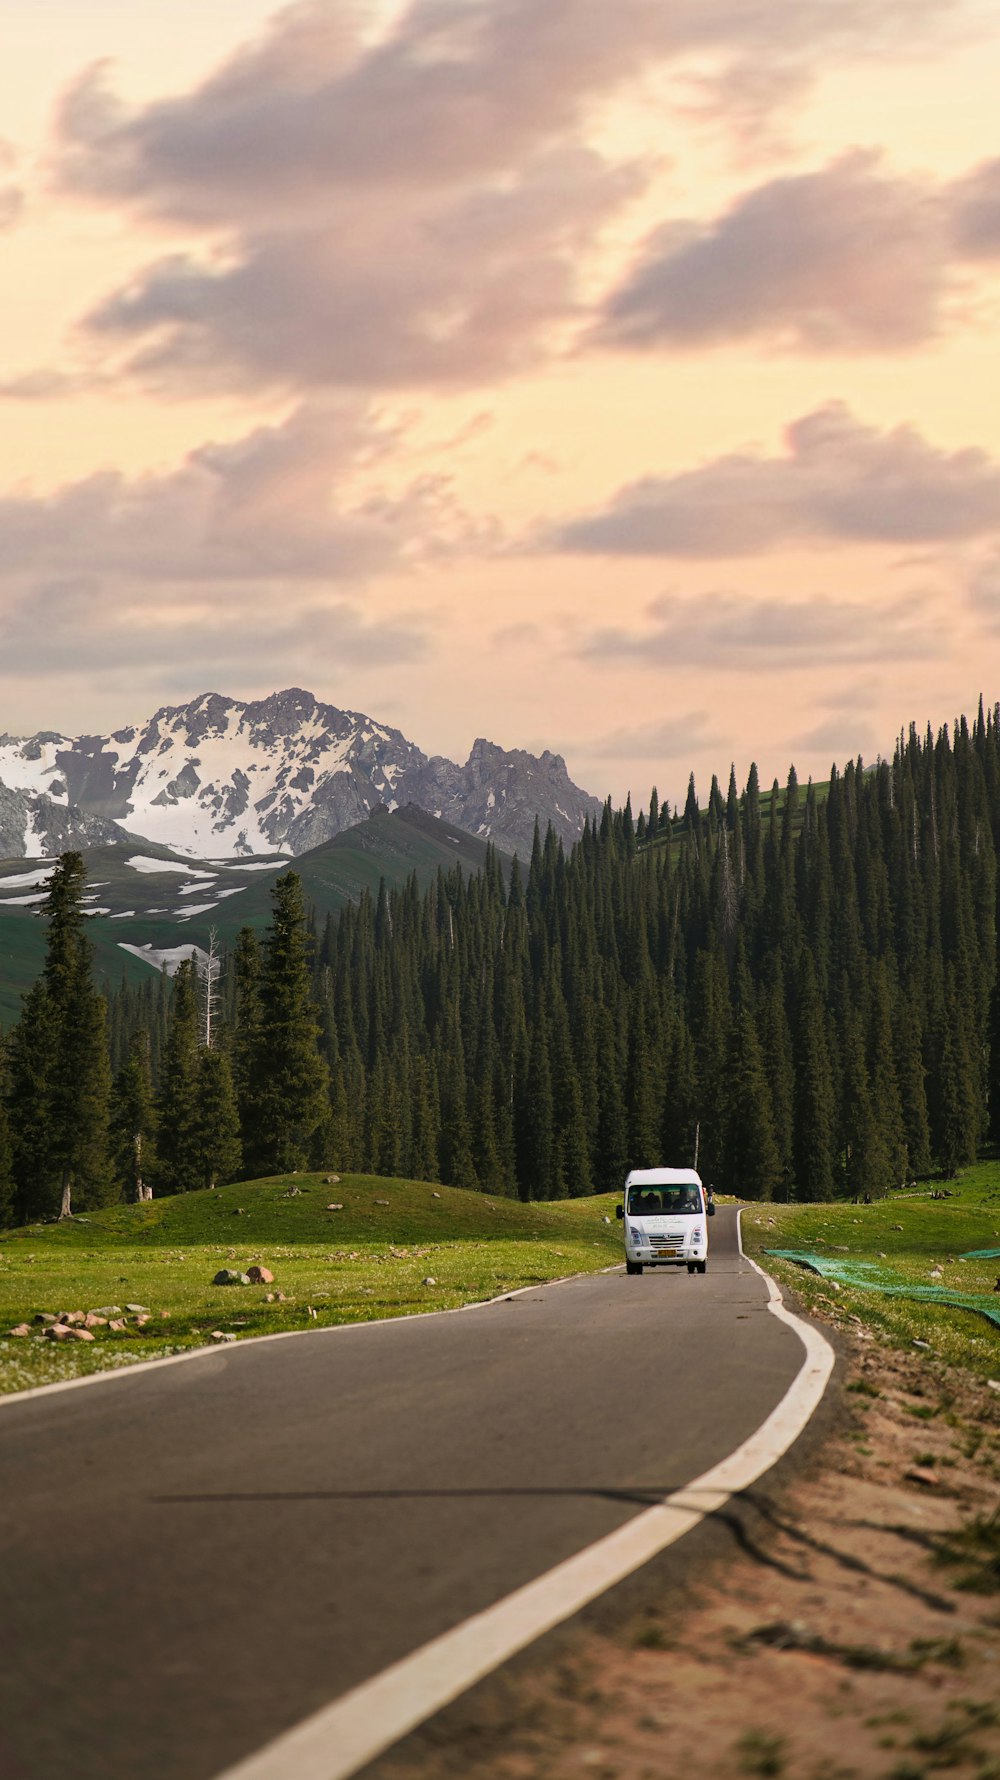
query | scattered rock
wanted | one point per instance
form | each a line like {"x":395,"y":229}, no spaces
{"x":238,"y":1211}
{"x":381,"y":1202}
{"x":117,"y":1323}
{"x":936,"y":1273}
{"x":110,"y":1310}
{"x":897,"y":1226}
{"x":57,"y":1331}
{"x":45,"y":1316}
{"x":435,"y":1195}
{"x":93,"y":1321}
{"x":331,"y":1180}
{"x":993,"y":1384}
{"x":71,"y":1316}
{"x":141,"y":1321}
{"x":21,"y":1329}
{"x":260,"y":1276}
{"x":292,"y":1192}
{"x":429,"y":1281}
{"x":139,"y":1309}
{"x":81,"y":1334}
{"x":334,"y":1207}
{"x":920,"y":1474}
{"x":222,"y":1335}
{"x":227,"y":1277}
{"x":279,"y":1298}
{"x":605,"y":1219}
{"x":916,"y":1342}
{"x":268,"y":1297}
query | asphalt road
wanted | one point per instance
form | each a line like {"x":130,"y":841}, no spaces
{"x":196,"y":1557}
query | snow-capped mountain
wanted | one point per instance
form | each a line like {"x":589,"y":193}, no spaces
{"x":221,"y":777}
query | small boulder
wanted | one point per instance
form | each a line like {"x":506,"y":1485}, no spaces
{"x":109,"y":1310}
{"x":117,"y":1323}
{"x":920,"y":1474}
{"x":227,"y":1277}
{"x":93,"y":1321}
{"x":381,"y":1202}
{"x":58,"y":1331}
{"x":331,"y":1180}
{"x":435,"y":1195}
{"x":141,"y":1321}
{"x":260,"y":1276}
{"x":139,"y":1309}
{"x":45,"y":1316}
{"x":81,"y":1334}
{"x":429,"y":1281}
{"x":71,"y":1316}
{"x":334,"y":1206}
{"x":21,"y":1329}
{"x":292,"y":1192}
{"x":222,"y":1335}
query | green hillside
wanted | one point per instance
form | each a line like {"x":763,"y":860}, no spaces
{"x":390,"y":1248}
{"x":177,"y":905}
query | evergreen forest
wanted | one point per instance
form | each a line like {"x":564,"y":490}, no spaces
{"x":796,"y":988}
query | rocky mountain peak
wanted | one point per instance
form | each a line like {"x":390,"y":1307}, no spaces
{"x":221,"y":776}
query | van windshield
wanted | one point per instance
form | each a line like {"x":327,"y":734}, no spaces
{"x":652,"y":1201}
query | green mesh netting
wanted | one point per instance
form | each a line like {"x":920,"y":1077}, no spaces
{"x":869,"y":1276}
{"x":981,"y":1254}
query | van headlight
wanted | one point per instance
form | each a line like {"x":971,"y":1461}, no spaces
{"x":697,"y":1236}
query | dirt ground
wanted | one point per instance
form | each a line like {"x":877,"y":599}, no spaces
{"x":854,"y":1629}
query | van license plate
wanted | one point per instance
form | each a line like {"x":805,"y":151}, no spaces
{"x":664,"y":1251}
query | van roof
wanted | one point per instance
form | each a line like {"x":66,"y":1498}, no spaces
{"x":663,"y":1177}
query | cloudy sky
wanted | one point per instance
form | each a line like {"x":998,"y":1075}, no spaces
{"x":615,"y":378}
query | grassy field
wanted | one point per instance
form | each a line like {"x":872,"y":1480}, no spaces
{"x":395,"y":1249}
{"x":905,"y":1241}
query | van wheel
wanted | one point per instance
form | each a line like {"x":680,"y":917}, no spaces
{"x":633,"y":1266}
{"x":701,"y":1265}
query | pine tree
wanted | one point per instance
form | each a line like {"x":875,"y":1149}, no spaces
{"x":288,"y":1078}
{"x":133,"y":1123}
{"x":61,"y":1076}
{"x":752,"y":1163}
{"x":178,"y":1150}
{"x":6,"y":1147}
{"x":216,"y":1136}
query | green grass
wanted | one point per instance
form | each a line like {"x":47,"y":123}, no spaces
{"x":369,"y":1260}
{"x":905,"y":1238}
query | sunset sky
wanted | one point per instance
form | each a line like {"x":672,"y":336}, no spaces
{"x":621,"y":379}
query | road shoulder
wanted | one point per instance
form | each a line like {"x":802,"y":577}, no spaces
{"x":835,"y":1592}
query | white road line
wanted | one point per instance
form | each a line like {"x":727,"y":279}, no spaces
{"x":226,"y":1347}
{"x":343,"y":1737}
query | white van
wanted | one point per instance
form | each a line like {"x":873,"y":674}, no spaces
{"x":666,"y":1215}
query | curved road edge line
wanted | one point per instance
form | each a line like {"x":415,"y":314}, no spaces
{"x":226,"y":1347}
{"x":345,"y":1736}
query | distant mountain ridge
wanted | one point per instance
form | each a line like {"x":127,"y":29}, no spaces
{"x":222,"y":776}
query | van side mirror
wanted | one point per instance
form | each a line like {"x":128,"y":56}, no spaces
{"x":619,"y":1211}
